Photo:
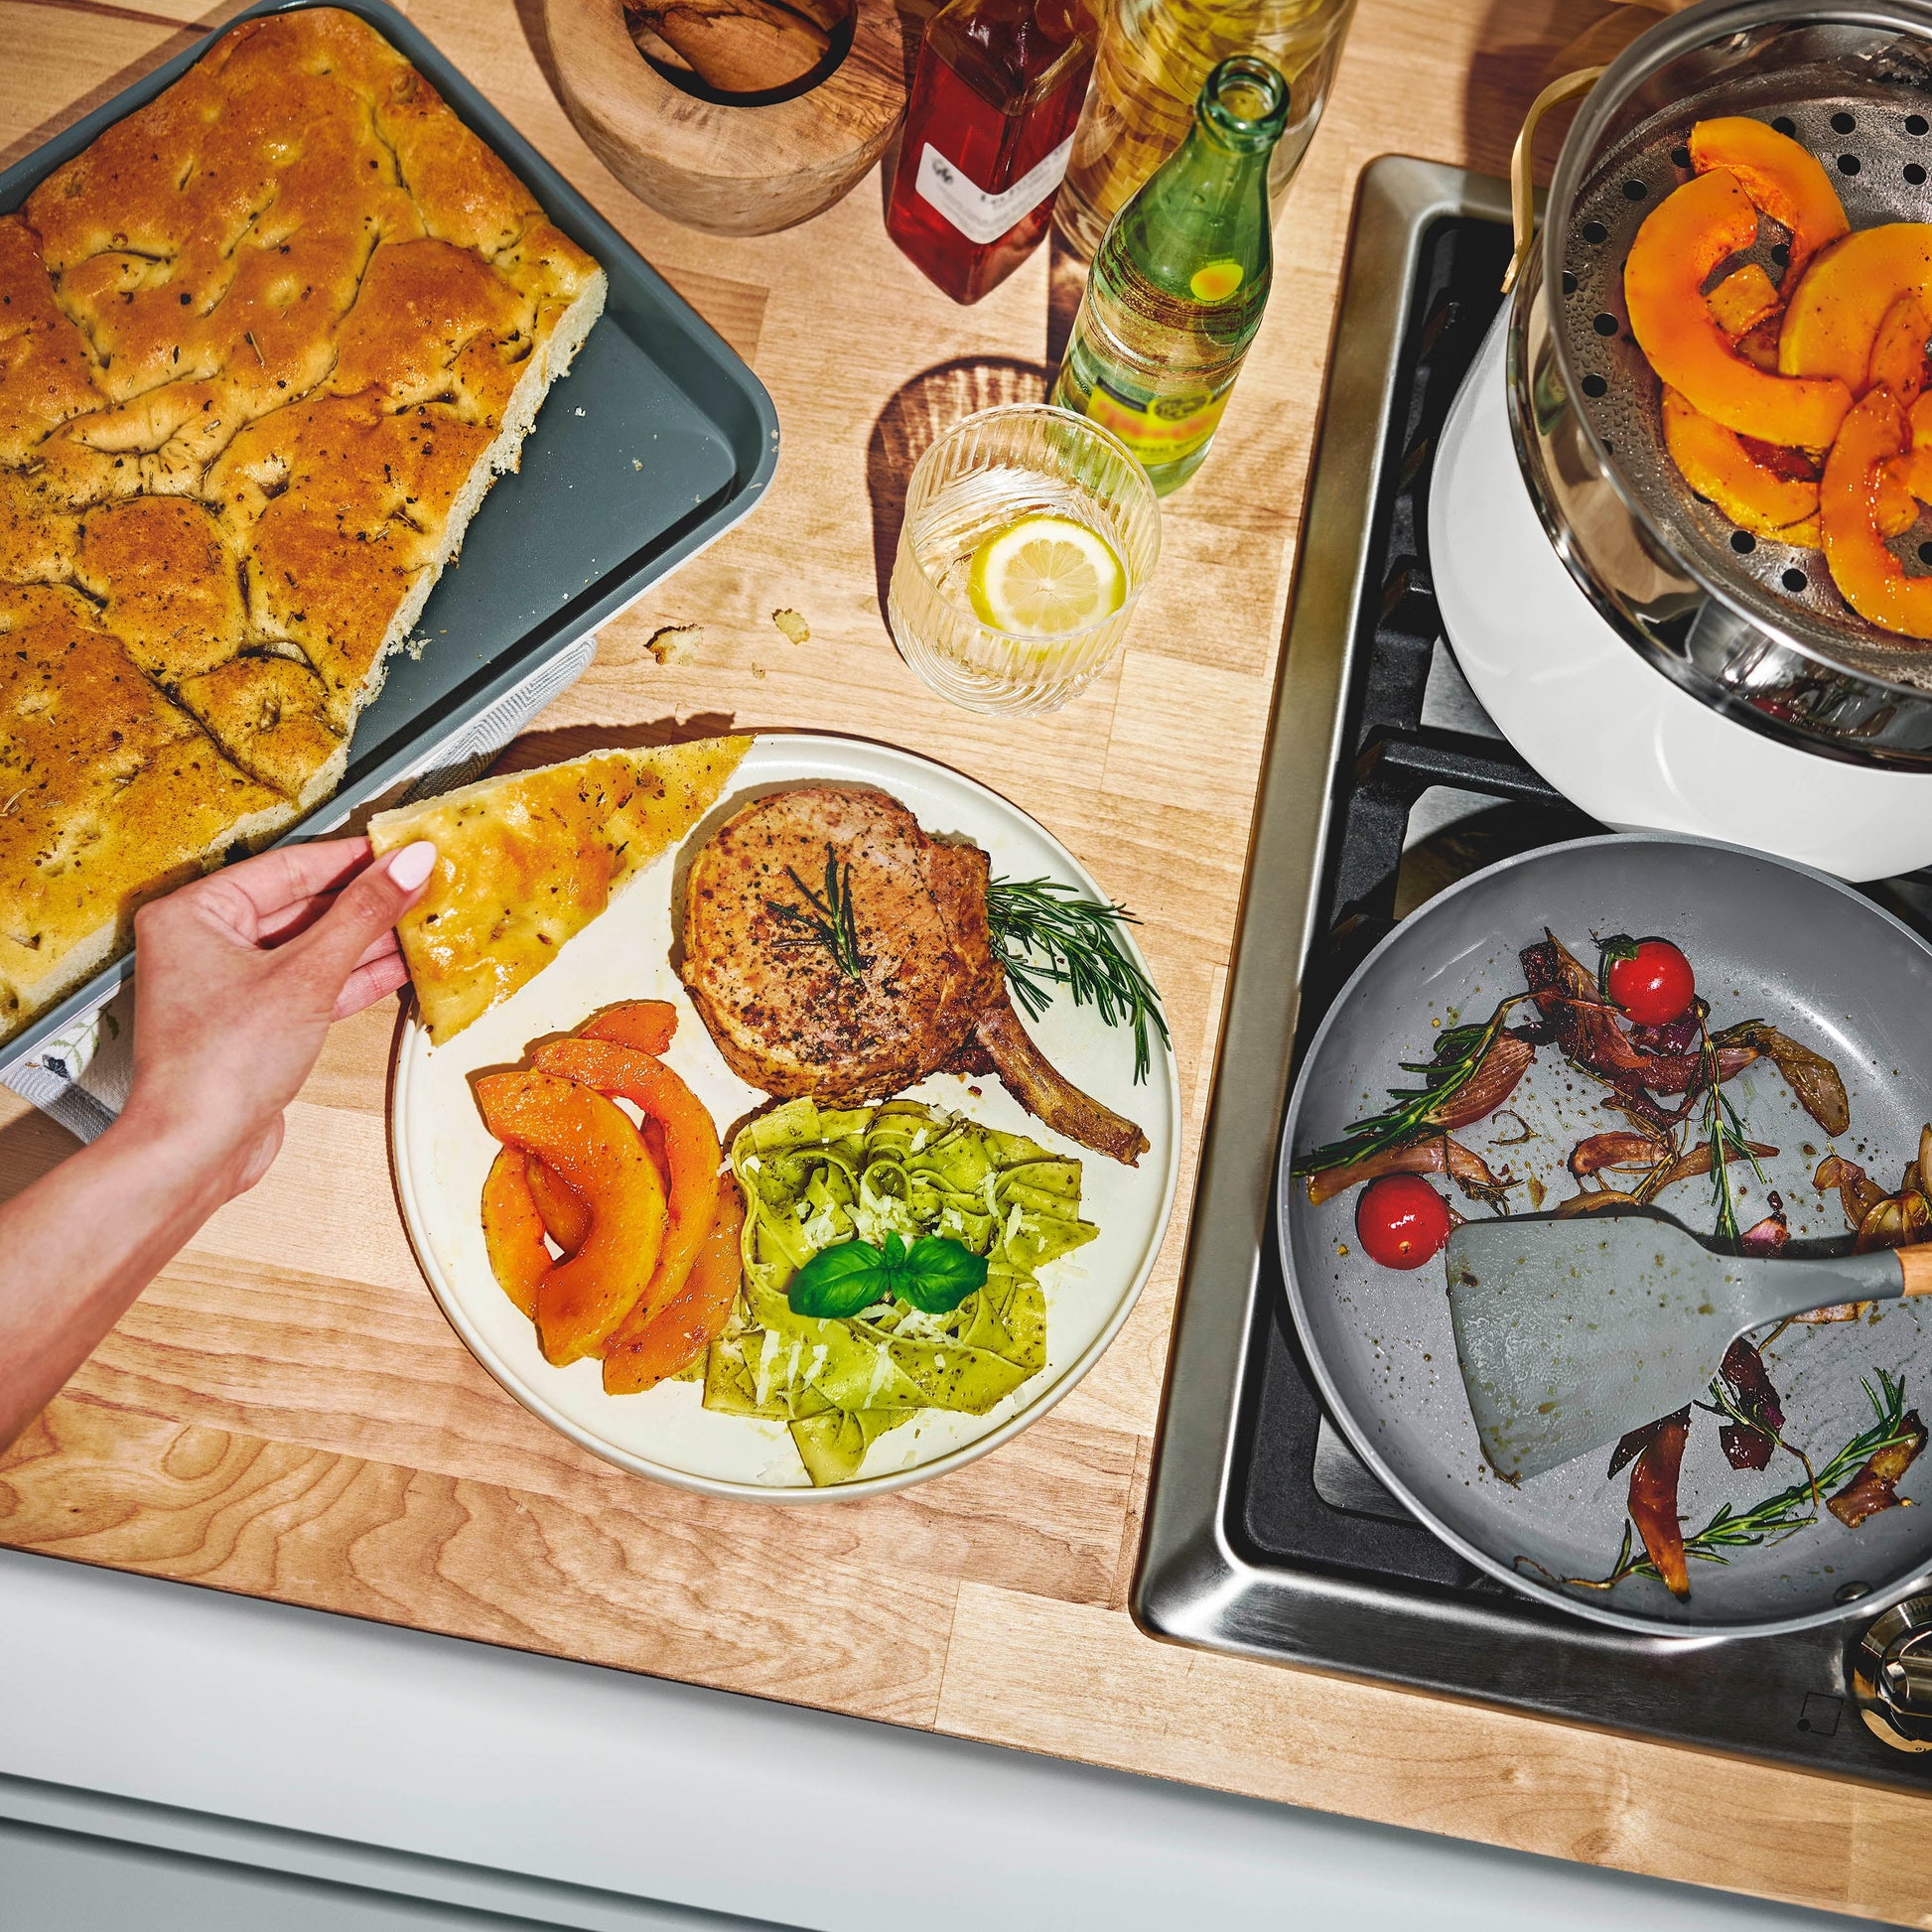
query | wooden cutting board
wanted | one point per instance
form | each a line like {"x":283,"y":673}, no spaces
{"x":286,"y":1413}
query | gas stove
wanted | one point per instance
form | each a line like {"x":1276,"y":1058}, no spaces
{"x":1386,"y":781}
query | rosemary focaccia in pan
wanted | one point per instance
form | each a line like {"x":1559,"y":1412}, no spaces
{"x":264,"y":346}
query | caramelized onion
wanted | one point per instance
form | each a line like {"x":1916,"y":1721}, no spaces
{"x":1438,"y":1154}
{"x":1876,"y":1486}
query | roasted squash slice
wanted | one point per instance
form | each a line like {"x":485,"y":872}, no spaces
{"x":566,"y":1221}
{"x":1685,"y":237}
{"x":1898,"y":351}
{"x":690,"y":1143}
{"x":1832,"y":320}
{"x":1743,"y":299}
{"x":646,"y":1025}
{"x":1782,"y":178}
{"x":1913,"y":474}
{"x":594,"y":1148}
{"x":1895,"y":505}
{"x":1760,"y":347}
{"x":1923,"y":422}
{"x":513,"y":1231}
{"x":1869,"y":577}
{"x":1717,"y":464}
{"x":642,"y":1353}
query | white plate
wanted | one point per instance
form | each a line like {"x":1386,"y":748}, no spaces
{"x":441,"y":1152}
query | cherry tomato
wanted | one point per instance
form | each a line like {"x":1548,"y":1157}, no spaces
{"x":1401,"y":1220}
{"x":1654,"y":983}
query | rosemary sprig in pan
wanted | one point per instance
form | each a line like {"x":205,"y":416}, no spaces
{"x":1460,"y":1050}
{"x":1048,"y":936}
{"x":830,"y":922}
{"x":1725,"y":1133}
{"x":1776,"y":1517}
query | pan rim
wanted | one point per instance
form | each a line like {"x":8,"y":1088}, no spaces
{"x":1360,"y":1437}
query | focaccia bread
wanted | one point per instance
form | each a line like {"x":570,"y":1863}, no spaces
{"x":264,"y":346}
{"x":101,"y":780}
{"x":525,"y":861}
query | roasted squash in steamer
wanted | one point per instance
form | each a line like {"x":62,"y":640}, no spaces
{"x":1717,"y":464}
{"x":1685,"y":238}
{"x":1833,"y":319}
{"x":1898,"y":358}
{"x":1783,"y":179}
{"x":1850,"y":502}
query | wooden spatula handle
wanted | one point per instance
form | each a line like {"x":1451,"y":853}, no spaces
{"x":1915,"y":1264}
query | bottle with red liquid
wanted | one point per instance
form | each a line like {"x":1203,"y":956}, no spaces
{"x":988,"y":132}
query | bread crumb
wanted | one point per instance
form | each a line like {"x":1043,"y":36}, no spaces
{"x":793,"y":626}
{"x":757,"y":670}
{"x":636,"y":464}
{"x":675,"y":643}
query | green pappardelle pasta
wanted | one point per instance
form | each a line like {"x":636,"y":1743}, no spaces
{"x":813,"y":1178}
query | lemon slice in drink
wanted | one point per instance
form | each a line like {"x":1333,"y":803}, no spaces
{"x":1046,"y":575}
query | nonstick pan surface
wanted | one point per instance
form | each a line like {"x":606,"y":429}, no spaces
{"x":1768,"y":940}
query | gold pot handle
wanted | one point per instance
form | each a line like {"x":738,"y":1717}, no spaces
{"x":1521,"y":190}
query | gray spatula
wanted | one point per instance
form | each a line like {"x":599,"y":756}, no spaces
{"x":1572,"y":1333}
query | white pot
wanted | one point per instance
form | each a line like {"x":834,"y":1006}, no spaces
{"x":1614,"y":735}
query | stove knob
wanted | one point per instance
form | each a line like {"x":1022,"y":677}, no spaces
{"x":1892,"y":1676}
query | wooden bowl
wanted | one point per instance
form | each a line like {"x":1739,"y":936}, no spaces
{"x":720,"y":167}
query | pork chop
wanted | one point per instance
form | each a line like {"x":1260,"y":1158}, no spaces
{"x":834,"y":948}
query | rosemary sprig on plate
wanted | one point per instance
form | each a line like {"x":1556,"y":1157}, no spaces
{"x":830,"y":922}
{"x":1048,"y":935}
{"x":1784,"y":1514}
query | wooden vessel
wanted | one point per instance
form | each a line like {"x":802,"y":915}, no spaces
{"x":722,"y":166}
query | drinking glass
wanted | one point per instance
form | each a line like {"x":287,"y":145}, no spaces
{"x":981,"y":476}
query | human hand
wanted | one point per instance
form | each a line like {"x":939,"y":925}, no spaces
{"x":237,"y":979}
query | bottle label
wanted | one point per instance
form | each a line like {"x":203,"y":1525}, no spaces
{"x":982,"y":217}
{"x":1164,"y":429}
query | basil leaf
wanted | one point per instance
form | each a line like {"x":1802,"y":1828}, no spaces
{"x":840,"y":1281}
{"x":938,"y":1273}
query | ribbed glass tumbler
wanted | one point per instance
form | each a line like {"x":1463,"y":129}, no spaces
{"x":980,"y":479}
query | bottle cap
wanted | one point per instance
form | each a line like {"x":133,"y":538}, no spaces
{"x":1243,"y":104}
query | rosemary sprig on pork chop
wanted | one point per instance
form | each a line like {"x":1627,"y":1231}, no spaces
{"x":830,"y":922}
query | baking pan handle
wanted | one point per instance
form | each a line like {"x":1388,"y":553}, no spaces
{"x":1521,"y":190}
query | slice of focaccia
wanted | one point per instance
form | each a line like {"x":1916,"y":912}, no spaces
{"x":525,"y":861}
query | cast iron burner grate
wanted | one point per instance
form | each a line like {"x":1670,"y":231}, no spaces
{"x":1267,"y":1535}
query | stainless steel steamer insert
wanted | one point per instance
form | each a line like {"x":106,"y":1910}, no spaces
{"x":1753,"y":626}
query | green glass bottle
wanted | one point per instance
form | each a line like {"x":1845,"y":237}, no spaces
{"x":1179,"y":284}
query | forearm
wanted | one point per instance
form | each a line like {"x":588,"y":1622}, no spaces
{"x":80,"y":1244}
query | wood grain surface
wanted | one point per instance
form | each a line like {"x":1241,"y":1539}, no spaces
{"x":285,"y":1413}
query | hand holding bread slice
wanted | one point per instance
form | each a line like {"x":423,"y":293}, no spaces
{"x":526,"y":861}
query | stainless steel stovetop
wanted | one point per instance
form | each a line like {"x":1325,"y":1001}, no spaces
{"x":1384,"y":782}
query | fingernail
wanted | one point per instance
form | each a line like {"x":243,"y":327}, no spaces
{"x":412,"y":865}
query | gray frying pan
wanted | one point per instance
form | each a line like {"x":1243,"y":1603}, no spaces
{"x":1768,"y":940}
